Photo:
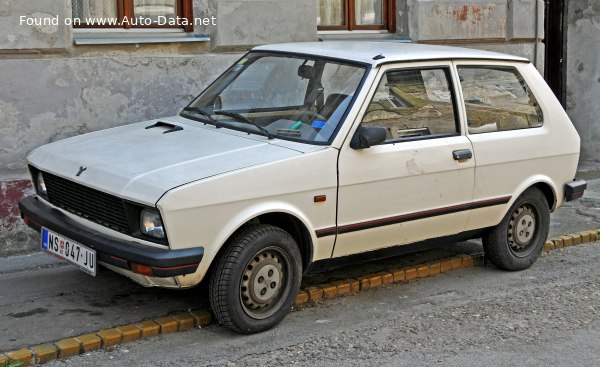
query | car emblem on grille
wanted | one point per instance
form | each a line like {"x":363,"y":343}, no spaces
{"x":81,"y":169}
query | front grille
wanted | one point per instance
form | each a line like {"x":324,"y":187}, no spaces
{"x":93,"y":205}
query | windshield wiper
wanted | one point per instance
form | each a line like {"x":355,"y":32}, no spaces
{"x":244,"y":119}
{"x":203,"y":113}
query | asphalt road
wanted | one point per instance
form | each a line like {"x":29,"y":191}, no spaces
{"x":546,"y":315}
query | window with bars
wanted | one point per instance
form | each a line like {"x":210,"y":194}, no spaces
{"x":133,"y":14}
{"x":355,"y":15}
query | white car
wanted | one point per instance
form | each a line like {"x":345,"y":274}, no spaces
{"x":301,"y":153}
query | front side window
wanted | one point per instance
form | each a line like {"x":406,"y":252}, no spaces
{"x":290,"y":97}
{"x":354,"y":14}
{"x":132,"y":14}
{"x":413,"y":104}
{"x":497,"y":99}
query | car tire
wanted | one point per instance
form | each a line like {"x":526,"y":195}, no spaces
{"x":516,"y":243}
{"x":256,"y":279}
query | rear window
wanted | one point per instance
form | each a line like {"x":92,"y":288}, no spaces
{"x":497,"y":99}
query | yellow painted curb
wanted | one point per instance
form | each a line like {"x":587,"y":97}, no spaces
{"x":110,"y":338}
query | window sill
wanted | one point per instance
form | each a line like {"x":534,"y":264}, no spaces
{"x":361,"y":35}
{"x":99,"y":36}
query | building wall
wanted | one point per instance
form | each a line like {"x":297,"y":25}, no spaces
{"x":51,"y":89}
{"x":583,"y":74}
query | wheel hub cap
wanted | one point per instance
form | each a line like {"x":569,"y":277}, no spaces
{"x":262,"y":280}
{"x":521,"y":227}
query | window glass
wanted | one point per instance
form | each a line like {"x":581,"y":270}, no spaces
{"x":497,"y":99}
{"x":152,"y":9}
{"x":294,"y":97}
{"x":331,"y":13}
{"x":369,"y":12}
{"x":353,"y":15}
{"x":84,"y":9}
{"x":413,"y":103}
{"x":268,"y":82}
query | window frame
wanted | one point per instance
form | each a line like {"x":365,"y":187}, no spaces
{"x":389,"y":19}
{"x":452,"y":87}
{"x":500,"y":67}
{"x":125,"y":10}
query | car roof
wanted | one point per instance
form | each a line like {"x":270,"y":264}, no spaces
{"x":366,"y":52}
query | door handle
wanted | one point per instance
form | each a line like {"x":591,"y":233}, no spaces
{"x":460,"y":155}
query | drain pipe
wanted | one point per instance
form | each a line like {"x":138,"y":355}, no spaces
{"x":537,"y":33}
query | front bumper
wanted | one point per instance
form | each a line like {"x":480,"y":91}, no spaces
{"x":120,"y":253}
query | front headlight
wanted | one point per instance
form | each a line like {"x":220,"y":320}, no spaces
{"x":41,"y":185}
{"x":151,"y":224}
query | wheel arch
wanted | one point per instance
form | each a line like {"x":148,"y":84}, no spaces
{"x":285,"y":218}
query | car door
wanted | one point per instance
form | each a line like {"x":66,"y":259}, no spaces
{"x":416,"y":185}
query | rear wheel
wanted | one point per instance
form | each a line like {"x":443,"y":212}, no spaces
{"x":518,"y":240}
{"x":256,"y":279}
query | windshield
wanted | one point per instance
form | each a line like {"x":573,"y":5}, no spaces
{"x":291,"y":97}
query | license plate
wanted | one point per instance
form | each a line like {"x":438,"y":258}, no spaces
{"x":77,"y":254}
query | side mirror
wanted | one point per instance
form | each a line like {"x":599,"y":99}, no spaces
{"x":367,"y":136}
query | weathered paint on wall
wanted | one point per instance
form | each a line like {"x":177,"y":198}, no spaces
{"x":14,"y":238}
{"x":583,"y":74}
{"x":43,"y":100}
{"x":452,"y":20}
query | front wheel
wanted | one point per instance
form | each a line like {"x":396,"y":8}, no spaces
{"x":516,"y":243}
{"x":256,"y":279}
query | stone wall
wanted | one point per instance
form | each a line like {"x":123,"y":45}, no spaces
{"x":583,"y":74}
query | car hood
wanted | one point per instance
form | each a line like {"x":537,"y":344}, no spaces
{"x":141,"y":164}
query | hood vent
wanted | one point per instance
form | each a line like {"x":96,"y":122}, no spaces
{"x":171,"y":127}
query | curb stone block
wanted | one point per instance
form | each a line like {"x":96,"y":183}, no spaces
{"x":186,"y":321}
{"x":549,"y":246}
{"x":364,"y":283}
{"x":594,"y":236}
{"x":22,"y":355}
{"x":398,"y":275}
{"x":110,"y":337}
{"x":478,"y":260}
{"x":558,"y":243}
{"x":343,"y":287}
{"x":168,"y":324}
{"x":301,"y":297}
{"x":576,"y":239}
{"x":456,"y":263}
{"x":567,"y":241}
{"x":314,"y":293}
{"x":43,"y":353}
{"x":329,"y":291}
{"x":89,"y":342}
{"x":148,"y":328}
{"x":585,"y":236}
{"x":423,"y":271}
{"x":387,"y":277}
{"x":354,"y":286}
{"x":468,"y":262}
{"x":129,"y":333}
{"x":410,"y":273}
{"x":434,"y":268}
{"x":68,"y":348}
{"x":445,"y":266}
{"x":375,"y":280}
{"x":202,"y":317}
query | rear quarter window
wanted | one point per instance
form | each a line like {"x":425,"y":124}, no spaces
{"x":497,"y":99}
